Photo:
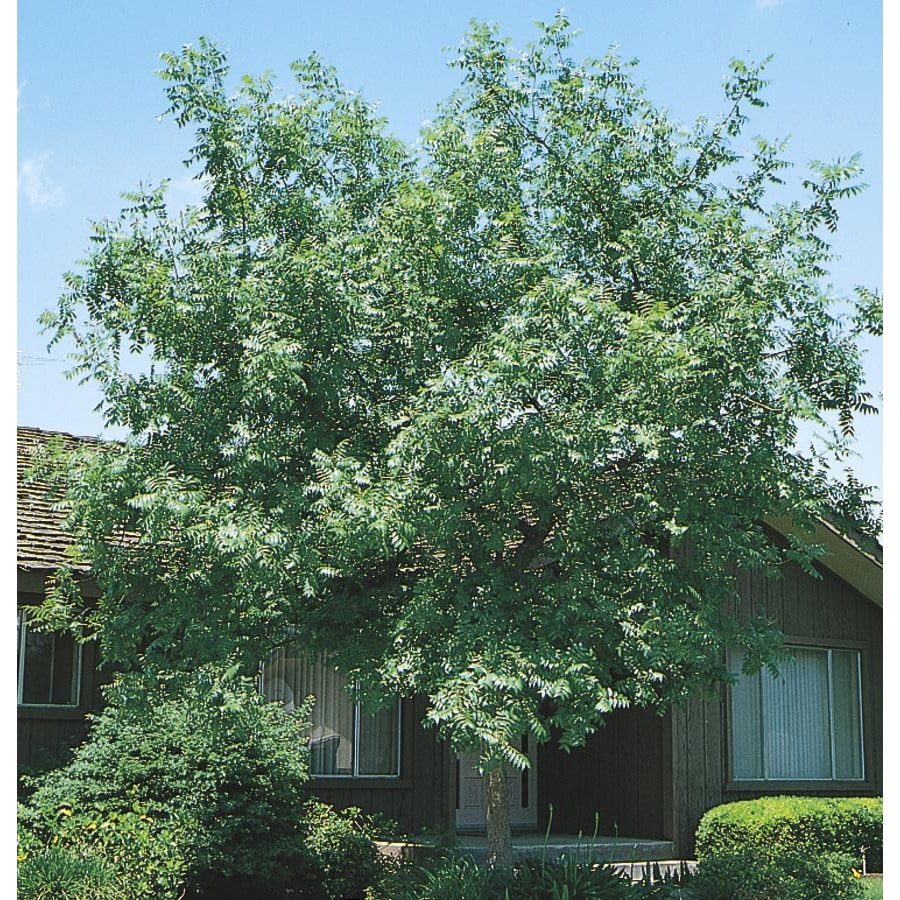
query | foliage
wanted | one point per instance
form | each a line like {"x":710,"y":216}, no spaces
{"x":197,"y":781}
{"x":343,"y":856}
{"x":493,"y":420}
{"x":803,"y":824}
{"x":760,"y":874}
{"x":140,"y":856}
{"x":458,"y":877}
{"x":566,"y":878}
{"x":450,"y":877}
{"x":668,"y":884}
{"x":58,"y":873}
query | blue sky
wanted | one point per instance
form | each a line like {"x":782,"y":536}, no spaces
{"x":88,"y":105}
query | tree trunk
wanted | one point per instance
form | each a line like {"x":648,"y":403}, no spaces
{"x":496,"y":810}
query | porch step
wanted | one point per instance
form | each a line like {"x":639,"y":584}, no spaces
{"x":656,"y":869}
{"x":596,"y":849}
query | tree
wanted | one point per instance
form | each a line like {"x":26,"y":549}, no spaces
{"x":490,"y":420}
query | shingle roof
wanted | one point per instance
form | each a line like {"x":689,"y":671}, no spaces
{"x":41,"y":541}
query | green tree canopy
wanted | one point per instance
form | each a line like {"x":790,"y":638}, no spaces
{"x":494,"y":418}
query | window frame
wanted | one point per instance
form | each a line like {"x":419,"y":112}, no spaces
{"x":738,"y":783}
{"x":77,"y":668}
{"x":358,"y":711}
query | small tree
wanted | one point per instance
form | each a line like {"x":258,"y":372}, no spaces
{"x":455,"y":415}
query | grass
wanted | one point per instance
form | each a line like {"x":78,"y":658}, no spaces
{"x":874,"y":887}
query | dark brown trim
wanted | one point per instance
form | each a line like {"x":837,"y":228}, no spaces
{"x":34,"y":582}
{"x":668,"y":815}
{"x":793,"y":786}
{"x":869,"y":702}
{"x":69,"y":713}
{"x":824,"y":643}
{"x":364,"y":782}
{"x":407,"y":754}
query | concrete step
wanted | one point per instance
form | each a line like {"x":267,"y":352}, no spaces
{"x":589,"y":849}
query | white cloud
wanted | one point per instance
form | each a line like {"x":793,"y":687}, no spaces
{"x":33,"y":181}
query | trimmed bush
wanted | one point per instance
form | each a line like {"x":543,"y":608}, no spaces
{"x":777,"y":874}
{"x":807,"y":825}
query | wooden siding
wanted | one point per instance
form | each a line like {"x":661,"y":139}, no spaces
{"x":615,"y":783}
{"x":423,"y":797}
{"x":46,"y":735}
{"x":824,"y":612}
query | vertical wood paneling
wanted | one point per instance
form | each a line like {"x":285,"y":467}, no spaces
{"x":681,"y":766}
{"x":809,"y":604}
{"x":790,"y":588}
{"x":746,"y":596}
{"x":420,"y":798}
{"x":45,"y":743}
{"x":715,"y":727}
{"x":872,"y":698}
{"x":615,"y":782}
{"x":823,"y":610}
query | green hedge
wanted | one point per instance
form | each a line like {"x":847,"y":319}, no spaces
{"x":776,"y":873}
{"x":794,"y":824}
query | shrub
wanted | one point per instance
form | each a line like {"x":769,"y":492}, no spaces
{"x":802,"y":824}
{"x":59,"y":873}
{"x":193,"y":785}
{"x":195,"y":778}
{"x":344,"y":860}
{"x":777,"y":874}
{"x":146,"y":855}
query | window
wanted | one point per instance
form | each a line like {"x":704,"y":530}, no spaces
{"x":805,"y":725}
{"x":343,"y":739}
{"x":49,"y":667}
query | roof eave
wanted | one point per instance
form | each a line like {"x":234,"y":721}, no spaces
{"x":844,"y":556}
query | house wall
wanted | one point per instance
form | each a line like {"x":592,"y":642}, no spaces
{"x":614,"y":784}
{"x":423,"y":797}
{"x":825,"y":612}
{"x":639,"y":776}
{"x":45,"y":735}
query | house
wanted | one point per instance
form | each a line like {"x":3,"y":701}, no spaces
{"x":817,"y":730}
{"x":58,"y":678}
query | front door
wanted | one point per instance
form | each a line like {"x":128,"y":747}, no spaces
{"x":522,"y":793}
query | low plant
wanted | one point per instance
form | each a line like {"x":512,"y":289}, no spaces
{"x":445,"y":877}
{"x":566,"y":878}
{"x":656,"y":884}
{"x":143,"y":855}
{"x":60,"y":873}
{"x":458,"y":877}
